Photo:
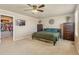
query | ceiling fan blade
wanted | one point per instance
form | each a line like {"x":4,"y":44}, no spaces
{"x":41,"y":6}
{"x":30,"y":5}
{"x":41,"y":10}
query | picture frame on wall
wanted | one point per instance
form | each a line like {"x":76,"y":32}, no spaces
{"x":51,"y":21}
{"x":20,"y":22}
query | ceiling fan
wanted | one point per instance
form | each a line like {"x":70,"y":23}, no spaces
{"x":35,"y":8}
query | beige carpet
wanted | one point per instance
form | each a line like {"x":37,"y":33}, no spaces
{"x":28,"y":46}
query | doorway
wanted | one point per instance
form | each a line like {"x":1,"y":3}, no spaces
{"x":6,"y":29}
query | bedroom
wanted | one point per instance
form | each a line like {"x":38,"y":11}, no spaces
{"x":28,"y":22}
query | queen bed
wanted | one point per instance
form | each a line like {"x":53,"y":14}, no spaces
{"x":51,"y":34}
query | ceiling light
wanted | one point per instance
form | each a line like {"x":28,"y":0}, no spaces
{"x":34,"y":11}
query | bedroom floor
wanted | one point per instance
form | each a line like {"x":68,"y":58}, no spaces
{"x":29,"y":46}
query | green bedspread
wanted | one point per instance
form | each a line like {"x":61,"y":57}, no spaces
{"x":53,"y":36}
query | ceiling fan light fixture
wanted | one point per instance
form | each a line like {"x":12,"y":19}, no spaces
{"x":34,"y":11}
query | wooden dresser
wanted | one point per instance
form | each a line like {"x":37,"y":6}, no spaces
{"x":68,"y":31}
{"x":39,"y":27}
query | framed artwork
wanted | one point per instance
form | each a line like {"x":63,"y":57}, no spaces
{"x":51,"y":21}
{"x":20,"y":22}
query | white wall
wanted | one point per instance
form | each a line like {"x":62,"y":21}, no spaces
{"x":20,"y":32}
{"x":0,"y":31}
{"x":77,"y":28}
{"x":57,"y":21}
{"x":76,"y":22}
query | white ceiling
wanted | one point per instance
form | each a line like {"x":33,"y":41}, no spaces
{"x":49,"y":9}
